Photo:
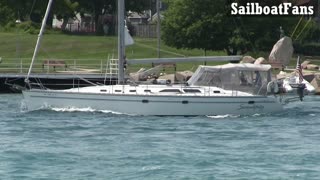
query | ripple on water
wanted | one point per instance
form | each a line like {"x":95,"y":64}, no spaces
{"x":88,"y":144}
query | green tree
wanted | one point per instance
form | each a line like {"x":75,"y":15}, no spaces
{"x":6,"y":13}
{"x":208,"y":25}
{"x":64,"y":9}
{"x":102,"y":7}
{"x":34,"y":10}
{"x":195,"y":24}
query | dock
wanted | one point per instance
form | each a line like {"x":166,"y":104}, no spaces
{"x":13,"y":83}
{"x":54,"y":74}
{"x":71,"y":73}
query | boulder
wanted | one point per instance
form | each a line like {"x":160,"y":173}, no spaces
{"x":170,"y":77}
{"x":316,"y":83}
{"x":304,"y":64}
{"x":248,"y":59}
{"x":183,"y":76}
{"x":308,"y":76}
{"x":282,"y":51}
{"x":312,"y":67}
{"x":136,"y":76}
{"x":260,"y":60}
{"x":283,"y":75}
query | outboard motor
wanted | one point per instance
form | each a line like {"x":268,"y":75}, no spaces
{"x":273,"y":87}
{"x":300,"y":90}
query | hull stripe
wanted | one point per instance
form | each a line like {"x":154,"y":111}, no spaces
{"x":150,"y":101}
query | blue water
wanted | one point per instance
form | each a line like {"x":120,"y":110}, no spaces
{"x":52,"y":144}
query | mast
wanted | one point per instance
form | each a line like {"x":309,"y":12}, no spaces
{"x":44,"y":21}
{"x":158,"y":27}
{"x":121,"y":46}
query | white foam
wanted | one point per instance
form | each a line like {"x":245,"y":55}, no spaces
{"x":256,"y":115}
{"x":87,"y":109}
{"x":23,"y":106}
{"x":150,"y":168}
{"x":72,"y":109}
{"x":223,"y":116}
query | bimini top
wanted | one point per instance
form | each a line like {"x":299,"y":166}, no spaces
{"x":227,"y":70}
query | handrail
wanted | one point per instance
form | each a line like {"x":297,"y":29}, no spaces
{"x":20,"y":66}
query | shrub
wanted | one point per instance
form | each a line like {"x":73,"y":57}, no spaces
{"x":29,"y":27}
{"x":9,"y":26}
{"x":309,"y":49}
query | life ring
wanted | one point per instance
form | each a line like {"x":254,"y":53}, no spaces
{"x":273,"y":87}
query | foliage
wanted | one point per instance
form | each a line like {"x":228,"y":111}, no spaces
{"x":208,"y":25}
{"x":31,"y":10}
{"x":6,"y":13}
{"x":102,"y":7}
{"x":309,"y":32}
{"x":306,"y":38}
{"x":34,"y":10}
{"x":309,"y":49}
{"x":28,"y":27}
{"x":190,"y":24}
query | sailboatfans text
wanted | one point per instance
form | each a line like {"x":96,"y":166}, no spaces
{"x":282,"y":9}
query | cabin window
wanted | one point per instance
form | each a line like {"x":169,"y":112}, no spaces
{"x":216,"y":92}
{"x":191,"y":90}
{"x":171,"y":90}
{"x":103,"y":90}
{"x":145,"y":101}
{"x":147,"y":90}
{"x":132,"y":90}
{"x":118,"y":91}
{"x":185,"y":102}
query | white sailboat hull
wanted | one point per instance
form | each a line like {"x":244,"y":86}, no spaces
{"x":152,"y":104}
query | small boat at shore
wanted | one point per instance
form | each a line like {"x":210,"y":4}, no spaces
{"x":296,"y":84}
{"x":290,"y":84}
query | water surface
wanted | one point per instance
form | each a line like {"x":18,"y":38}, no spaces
{"x":85,"y":144}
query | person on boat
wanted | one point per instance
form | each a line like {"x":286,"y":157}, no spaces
{"x":258,"y":81}
{"x":243,"y":80}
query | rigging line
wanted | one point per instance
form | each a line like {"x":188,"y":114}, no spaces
{"x":34,"y":2}
{"x":295,"y":29}
{"x":85,"y":80}
{"x":303,"y":28}
{"x":165,"y":51}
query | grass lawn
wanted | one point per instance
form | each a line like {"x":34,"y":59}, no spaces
{"x":62,"y":46}
{"x":92,"y":51}
{"x":89,"y":50}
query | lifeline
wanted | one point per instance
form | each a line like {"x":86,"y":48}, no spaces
{"x":282,"y":9}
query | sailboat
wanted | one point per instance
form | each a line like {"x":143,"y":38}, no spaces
{"x":236,"y":89}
